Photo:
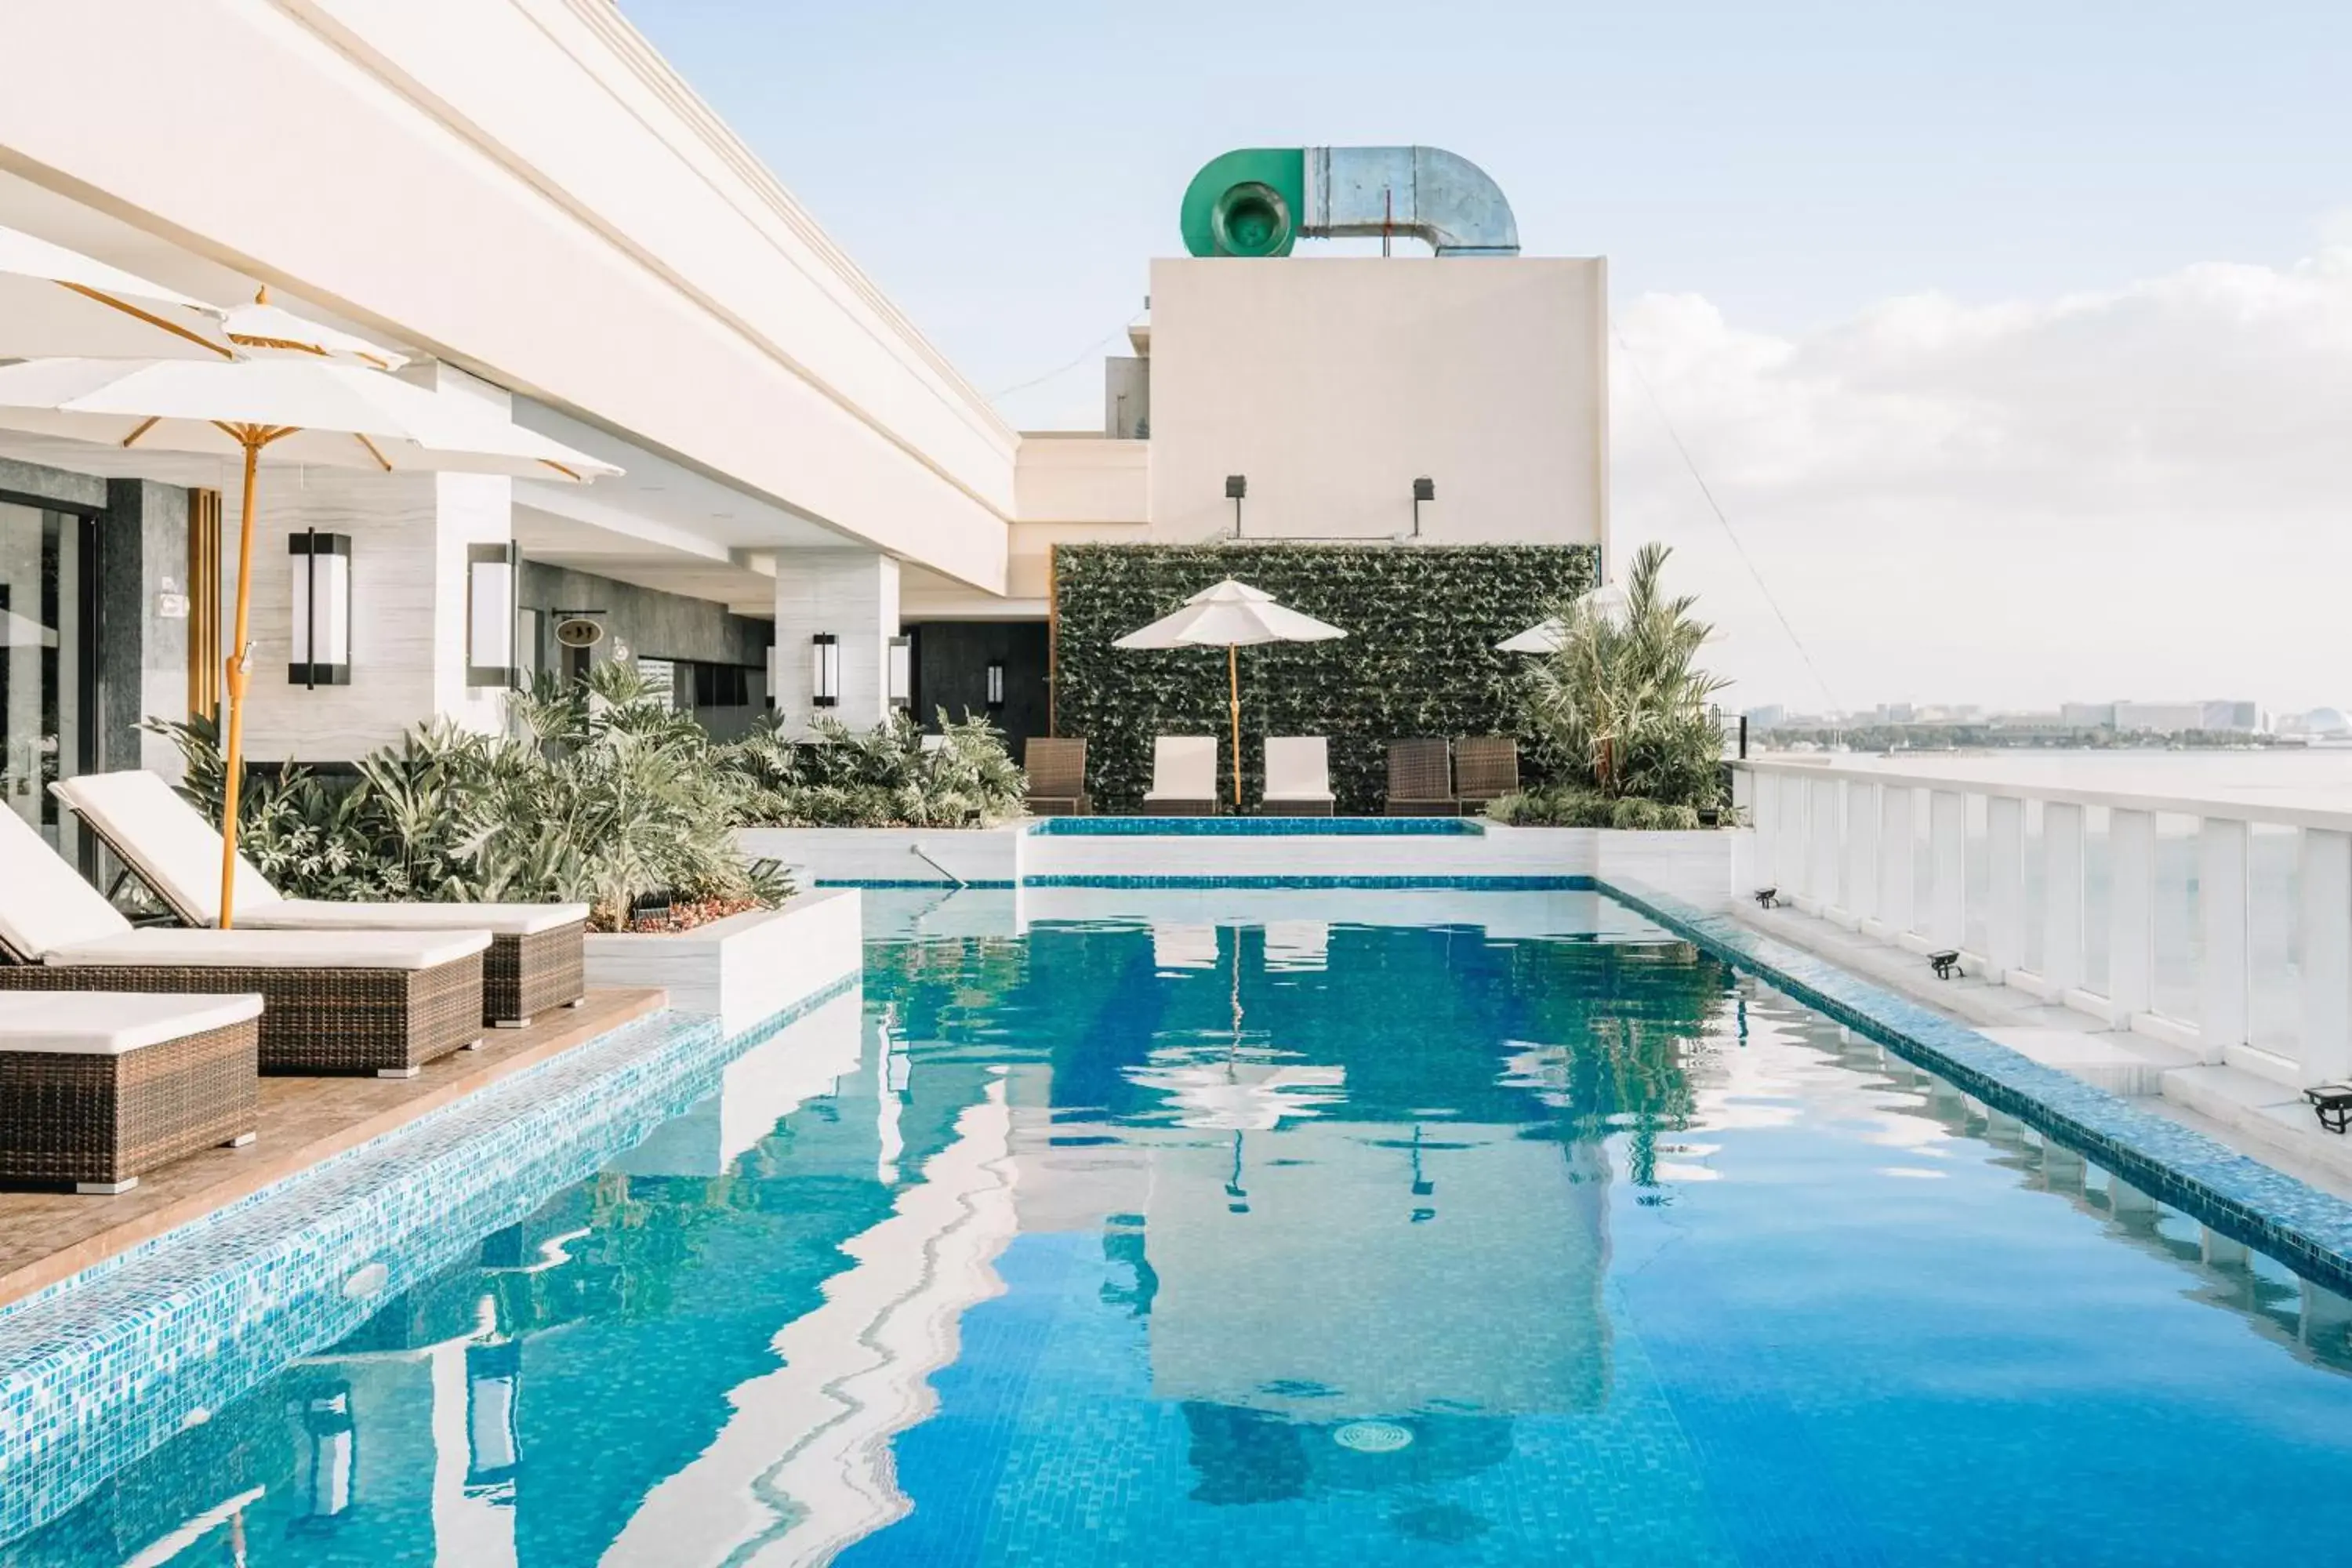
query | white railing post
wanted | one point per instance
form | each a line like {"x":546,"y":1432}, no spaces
{"x":2326,"y":950}
{"x":1860,"y":849}
{"x":2062,"y":894}
{"x":2225,"y":1015}
{"x":1764,"y":811}
{"x":2005,"y":882}
{"x":1895,"y":864}
{"x":1792,"y":834}
{"x":1948,"y":849}
{"x":2131,"y":912}
{"x":1822,"y":843}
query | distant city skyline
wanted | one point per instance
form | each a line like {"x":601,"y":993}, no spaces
{"x":2015,"y":342}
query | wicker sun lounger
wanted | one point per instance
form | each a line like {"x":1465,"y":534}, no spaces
{"x":537,"y":960}
{"x":1485,"y":767}
{"x":361,"y":1000}
{"x":1057,"y":777}
{"x":1184,"y":776}
{"x":1418,"y":784}
{"x":96,"y":1089}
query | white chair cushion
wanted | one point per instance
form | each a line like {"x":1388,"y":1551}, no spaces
{"x":44,"y":902}
{"x":1297,"y":767}
{"x":323,"y":914}
{"x":273,"y":950}
{"x":1183,"y":767}
{"x":165,"y":840}
{"x":108,"y":1022}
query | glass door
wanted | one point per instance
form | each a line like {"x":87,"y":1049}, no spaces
{"x":41,"y":696}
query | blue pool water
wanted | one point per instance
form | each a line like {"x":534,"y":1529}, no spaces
{"x":1249,"y":1229}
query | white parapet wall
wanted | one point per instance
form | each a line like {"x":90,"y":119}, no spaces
{"x":746,"y":968}
{"x":2220,"y":922}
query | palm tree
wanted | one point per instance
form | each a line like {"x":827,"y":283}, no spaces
{"x":1620,"y":704}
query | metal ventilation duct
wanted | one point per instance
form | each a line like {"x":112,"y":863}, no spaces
{"x":1259,"y":201}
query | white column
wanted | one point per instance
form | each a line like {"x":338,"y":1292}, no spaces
{"x":2327,"y":949}
{"x":1821,"y":842}
{"x":2131,"y":910}
{"x":1861,"y":848}
{"x":1897,"y":865}
{"x":2005,"y":882}
{"x":2062,"y":894}
{"x":2222,"y":849}
{"x":1764,"y":811}
{"x":851,"y":595}
{"x":1948,"y":846}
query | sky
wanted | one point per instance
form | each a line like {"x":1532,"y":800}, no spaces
{"x":2013,"y":342}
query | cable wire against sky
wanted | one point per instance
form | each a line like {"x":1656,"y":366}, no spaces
{"x":1731,"y":533}
{"x":1084,"y":355}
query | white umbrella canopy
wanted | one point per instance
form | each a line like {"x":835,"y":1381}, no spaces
{"x":264,"y":331}
{"x":53,"y":300}
{"x":1544,"y":636}
{"x":305,"y":410}
{"x":22,"y":631}
{"x":298,"y":410}
{"x":1231,"y":615}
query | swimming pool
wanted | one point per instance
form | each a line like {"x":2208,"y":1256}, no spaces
{"x":1246,"y":1228}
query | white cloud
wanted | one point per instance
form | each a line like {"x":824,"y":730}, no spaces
{"x":2142,"y":493}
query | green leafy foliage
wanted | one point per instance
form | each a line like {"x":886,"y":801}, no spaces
{"x":882,"y":777}
{"x":1419,"y":658}
{"x":1621,"y":710}
{"x":1574,"y":807}
{"x":605,"y":795}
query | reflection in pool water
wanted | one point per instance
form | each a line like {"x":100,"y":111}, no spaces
{"x":1165,"y":1238}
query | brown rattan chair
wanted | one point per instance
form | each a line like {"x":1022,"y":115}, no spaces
{"x":538,"y":956}
{"x":96,"y":1089}
{"x":1485,"y":767}
{"x":1420,"y":782}
{"x":1057,"y":777}
{"x":360,"y":1001}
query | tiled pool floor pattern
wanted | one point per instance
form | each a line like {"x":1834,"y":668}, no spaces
{"x":1330,"y":1244}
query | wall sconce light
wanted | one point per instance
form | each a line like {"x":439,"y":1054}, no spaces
{"x":825,"y":689}
{"x":995,"y":687}
{"x":1236,"y":486}
{"x":902,"y":671}
{"x":1424,"y":489}
{"x":490,"y":577}
{"x":322,"y":609}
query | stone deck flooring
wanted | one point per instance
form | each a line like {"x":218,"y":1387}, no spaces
{"x":45,"y":1237}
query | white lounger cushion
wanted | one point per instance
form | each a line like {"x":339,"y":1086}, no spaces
{"x":165,"y":840}
{"x":1297,"y":767}
{"x":44,"y":902}
{"x":272,"y":950}
{"x":323,"y":914}
{"x":112,"y":1023}
{"x":171,"y":845}
{"x":1183,"y":767}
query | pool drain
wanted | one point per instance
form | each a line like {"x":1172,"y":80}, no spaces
{"x":1373,"y":1437}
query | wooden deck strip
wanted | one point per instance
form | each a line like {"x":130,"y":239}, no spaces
{"x":47,"y":1237}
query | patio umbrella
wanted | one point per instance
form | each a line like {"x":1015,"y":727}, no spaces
{"x":298,"y":410}
{"x":264,"y":331}
{"x":1231,"y":616}
{"x":53,"y":300}
{"x":1544,"y":636}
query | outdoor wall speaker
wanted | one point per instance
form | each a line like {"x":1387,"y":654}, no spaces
{"x":321,"y":608}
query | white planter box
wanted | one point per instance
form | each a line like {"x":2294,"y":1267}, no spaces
{"x":745,"y":969}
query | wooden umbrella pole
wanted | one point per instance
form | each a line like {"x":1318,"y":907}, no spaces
{"x":235,"y":675}
{"x":1233,"y":690}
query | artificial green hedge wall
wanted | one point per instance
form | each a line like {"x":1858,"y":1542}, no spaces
{"x":1419,"y":658}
